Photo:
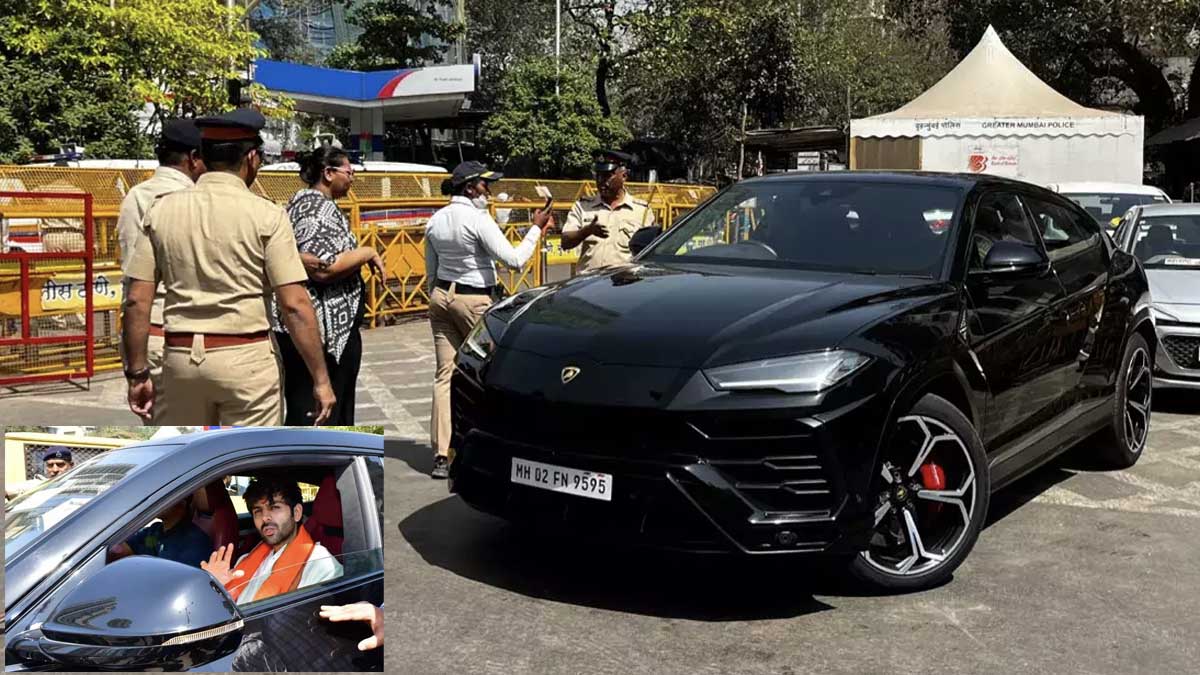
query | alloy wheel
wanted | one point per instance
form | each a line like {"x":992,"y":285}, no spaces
{"x":1138,"y":390}
{"x":927,"y":498}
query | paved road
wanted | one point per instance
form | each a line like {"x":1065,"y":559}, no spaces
{"x":394,"y":386}
{"x":1078,"y":571}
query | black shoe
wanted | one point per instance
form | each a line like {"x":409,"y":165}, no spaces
{"x":441,"y":467}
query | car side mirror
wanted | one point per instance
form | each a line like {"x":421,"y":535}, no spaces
{"x":1014,"y":257}
{"x":643,"y":238}
{"x":143,"y":612}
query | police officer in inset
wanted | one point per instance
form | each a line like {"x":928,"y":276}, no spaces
{"x":604,"y":224}
{"x":179,"y":165}
{"x":220,"y":250}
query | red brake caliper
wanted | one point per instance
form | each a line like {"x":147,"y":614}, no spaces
{"x":933,"y":477}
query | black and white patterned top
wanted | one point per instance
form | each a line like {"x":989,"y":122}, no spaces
{"x":322,"y":230}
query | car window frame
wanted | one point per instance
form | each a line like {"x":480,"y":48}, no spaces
{"x":968,"y":238}
{"x":1083,"y":219}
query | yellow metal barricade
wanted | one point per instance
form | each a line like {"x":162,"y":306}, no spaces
{"x":387,"y":211}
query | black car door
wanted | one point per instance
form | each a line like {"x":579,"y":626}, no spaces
{"x":1009,"y":328}
{"x":1079,"y":256}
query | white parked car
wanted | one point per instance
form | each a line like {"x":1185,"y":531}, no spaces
{"x":1108,"y":202}
{"x":1166,"y":238}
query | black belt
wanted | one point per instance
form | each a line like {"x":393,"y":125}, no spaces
{"x":465,"y":289}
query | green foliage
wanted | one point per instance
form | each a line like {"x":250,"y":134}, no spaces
{"x":77,"y":70}
{"x":506,"y":33}
{"x":698,"y":62}
{"x":547,"y":135}
{"x":396,"y":34}
{"x":1095,"y":52}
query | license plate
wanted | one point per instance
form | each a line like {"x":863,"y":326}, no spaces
{"x":561,"y":479}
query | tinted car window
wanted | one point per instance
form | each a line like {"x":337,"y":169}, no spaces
{"x":998,"y":217}
{"x":1064,"y":232}
{"x":873,"y":227}
{"x":1168,"y":241}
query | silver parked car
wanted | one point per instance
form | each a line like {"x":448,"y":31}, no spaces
{"x":1166,"y":238}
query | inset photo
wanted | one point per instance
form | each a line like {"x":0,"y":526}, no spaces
{"x":193,"y":548}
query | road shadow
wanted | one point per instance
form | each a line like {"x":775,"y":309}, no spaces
{"x":418,"y":456}
{"x":64,"y":387}
{"x":1176,"y":402}
{"x":453,"y":536}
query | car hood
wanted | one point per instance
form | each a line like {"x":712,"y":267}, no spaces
{"x":1174,"y":287}
{"x":700,"y":316}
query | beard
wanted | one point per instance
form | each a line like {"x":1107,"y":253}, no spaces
{"x":283,"y":531}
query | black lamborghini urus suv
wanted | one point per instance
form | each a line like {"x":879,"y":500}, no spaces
{"x":840,"y":364}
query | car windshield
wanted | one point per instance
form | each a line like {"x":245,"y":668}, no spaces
{"x":1168,"y":241}
{"x":36,"y":512}
{"x":870,"y":227}
{"x":1105,"y":207}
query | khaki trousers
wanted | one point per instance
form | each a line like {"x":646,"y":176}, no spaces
{"x":451,"y":316}
{"x":154,"y":358}
{"x":238,"y":385}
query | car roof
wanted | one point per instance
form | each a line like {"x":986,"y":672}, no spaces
{"x":205,"y":445}
{"x":1171,"y":209}
{"x":1106,"y":188}
{"x":945,"y":179}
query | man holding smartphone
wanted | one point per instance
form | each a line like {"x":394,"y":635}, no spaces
{"x":604,"y":224}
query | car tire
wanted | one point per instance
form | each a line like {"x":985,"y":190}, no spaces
{"x":952,"y":445}
{"x":1121,"y":443}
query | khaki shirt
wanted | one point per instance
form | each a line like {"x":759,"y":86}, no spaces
{"x":219,"y":250}
{"x":630,"y":216}
{"x":133,"y":209}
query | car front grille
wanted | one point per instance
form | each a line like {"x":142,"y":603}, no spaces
{"x":1184,"y":350}
{"x":777,"y":463}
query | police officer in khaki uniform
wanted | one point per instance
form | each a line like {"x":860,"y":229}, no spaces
{"x":179,"y":165}
{"x":604,"y":224}
{"x":219,"y":251}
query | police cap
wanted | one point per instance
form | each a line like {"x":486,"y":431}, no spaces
{"x":56,"y":452}
{"x":181,"y":133}
{"x":242,"y":124}
{"x":611,"y":160}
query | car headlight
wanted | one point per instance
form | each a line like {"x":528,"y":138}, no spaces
{"x":479,"y":341}
{"x":805,"y":373}
{"x":1160,"y":314}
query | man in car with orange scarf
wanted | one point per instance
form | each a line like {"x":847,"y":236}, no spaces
{"x":287,"y":558}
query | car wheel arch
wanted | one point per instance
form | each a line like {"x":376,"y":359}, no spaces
{"x":943,"y":378}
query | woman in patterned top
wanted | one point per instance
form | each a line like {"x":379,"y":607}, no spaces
{"x":333,"y":259}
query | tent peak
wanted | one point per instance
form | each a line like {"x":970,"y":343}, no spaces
{"x":991,"y":82}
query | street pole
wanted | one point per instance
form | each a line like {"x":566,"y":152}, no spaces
{"x":742,"y":145}
{"x":557,"y":41}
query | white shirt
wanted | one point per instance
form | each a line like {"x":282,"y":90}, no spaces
{"x":321,"y":566}
{"x":462,"y":243}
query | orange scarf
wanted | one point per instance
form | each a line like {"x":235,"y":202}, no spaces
{"x":285,"y":574}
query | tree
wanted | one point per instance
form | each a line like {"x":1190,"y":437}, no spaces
{"x":77,"y":70}
{"x":610,"y":30}
{"x":396,"y":34}
{"x":698,"y":62}
{"x":179,"y":54}
{"x":1093,"y":51}
{"x":506,"y":33}
{"x":544,"y":134}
